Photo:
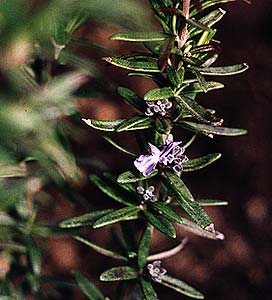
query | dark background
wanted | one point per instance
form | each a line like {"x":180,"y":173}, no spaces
{"x":240,"y":266}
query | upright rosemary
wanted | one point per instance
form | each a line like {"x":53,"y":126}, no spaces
{"x":179,"y":60}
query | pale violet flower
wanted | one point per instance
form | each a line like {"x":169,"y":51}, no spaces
{"x":158,"y":107}
{"x":171,"y":154}
{"x":156,"y":271}
{"x":147,"y":194}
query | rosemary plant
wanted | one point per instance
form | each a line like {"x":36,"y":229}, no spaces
{"x":179,"y":60}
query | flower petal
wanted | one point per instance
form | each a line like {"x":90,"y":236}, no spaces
{"x":146,"y":164}
{"x":154,"y":150}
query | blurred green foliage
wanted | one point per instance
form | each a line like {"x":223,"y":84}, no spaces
{"x":38,"y":118}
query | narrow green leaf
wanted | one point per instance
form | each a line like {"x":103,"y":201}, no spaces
{"x":156,"y":77}
{"x":196,"y":110}
{"x":119,"y":274}
{"x":129,"y":238}
{"x":11,"y":246}
{"x":148,"y":289}
{"x":113,"y":191}
{"x":129,"y":177}
{"x":160,"y":223}
{"x":222,"y":71}
{"x":134,"y":65}
{"x":153,"y":47}
{"x":175,"y":77}
{"x":144,"y":246}
{"x":136,"y":123}
{"x":68,"y":58}
{"x":12,"y":170}
{"x":106,"y":125}
{"x":195,"y":229}
{"x":87,"y":287}
{"x":101,"y":250}
{"x":159,"y":93}
{"x":163,"y":126}
{"x":212,"y":202}
{"x":186,"y":200}
{"x":139,"y":36}
{"x":209,"y":20}
{"x":181,"y":287}
{"x":201,"y":162}
{"x":165,"y":53}
{"x":131,"y":98}
{"x":84,"y":220}
{"x":166,"y":211}
{"x":197,"y":24}
{"x":207,"y":4}
{"x":203,"y":128}
{"x":92,"y":45}
{"x":120,"y":148}
{"x":123,"y":214}
{"x":213,"y":17}
{"x":35,"y":256}
{"x":196,"y":87}
{"x":201,"y":81}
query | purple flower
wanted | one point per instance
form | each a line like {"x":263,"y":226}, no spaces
{"x":170,"y":154}
{"x":156,"y":271}
{"x":158,"y":107}
{"x":147,"y":194}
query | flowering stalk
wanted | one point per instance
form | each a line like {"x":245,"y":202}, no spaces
{"x":177,"y":59}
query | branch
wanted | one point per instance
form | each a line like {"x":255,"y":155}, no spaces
{"x":168,"y":253}
{"x":183,"y":34}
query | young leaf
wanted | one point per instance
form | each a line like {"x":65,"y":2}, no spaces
{"x":200,"y":163}
{"x":139,"y":36}
{"x":120,"y":148}
{"x":144,"y":246}
{"x":181,"y":287}
{"x":134,"y":65}
{"x":83,"y":220}
{"x":158,"y":94}
{"x":101,"y":250}
{"x":222,"y":71}
{"x":136,"y":123}
{"x":123,"y":214}
{"x":106,"y":125}
{"x":131,"y":98}
{"x":160,"y":223}
{"x":119,"y":274}
{"x":186,"y":200}
{"x":113,"y":191}
{"x":208,"y":129}
{"x":87,"y":287}
{"x":129,"y":177}
{"x":147,"y":289}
